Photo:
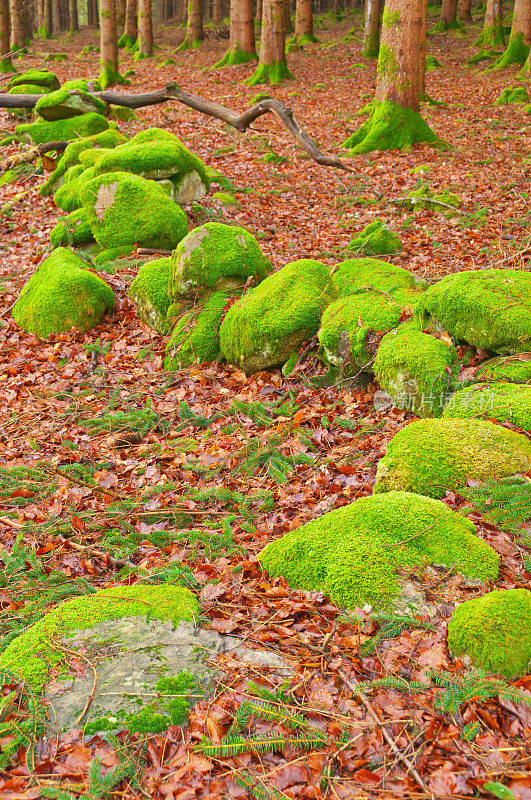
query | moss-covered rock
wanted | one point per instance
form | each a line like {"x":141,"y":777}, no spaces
{"x":72,"y":230}
{"x":488,"y":308}
{"x":195,"y":338}
{"x":270,"y":323}
{"x":416,"y":369}
{"x":433,"y":456}
{"x":442,"y":201}
{"x":355,"y":552}
{"x":347,"y":328}
{"x":68,"y":196}
{"x":37,"y":77}
{"x":514,"y":369}
{"x":506,"y":402}
{"x":517,"y":94}
{"x":376,"y":239}
{"x":70,"y":158}
{"x":124,"y":209}
{"x":213,"y":258}
{"x":112,"y":254}
{"x":65,"y":104}
{"x":64,"y":130}
{"x":32,"y":653}
{"x":62,"y":294}
{"x":149,"y":292}
{"x":494,"y":631}
{"x":160,"y":158}
{"x":29,"y":88}
{"x":391,"y":281}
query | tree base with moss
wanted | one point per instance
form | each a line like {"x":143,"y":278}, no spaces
{"x":491,"y":37}
{"x":297,"y":43}
{"x":444,"y":27}
{"x":234,"y":57}
{"x":274,"y":73}
{"x":189,"y":44}
{"x":6,"y":66}
{"x":43,"y":32}
{"x":110,"y":77}
{"x":517,"y":52}
{"x":127,"y":42}
{"x":392,"y":127}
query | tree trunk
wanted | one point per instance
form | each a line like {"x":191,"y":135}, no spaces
{"x":371,"y":33}
{"x":56,"y":16}
{"x":217,"y":12}
{"x":5,"y":30}
{"x":395,"y":120}
{"x":73,"y":16}
{"x":287,"y":18}
{"x":48,"y":18}
{"x":259,"y":11}
{"x":492,"y":34}
{"x":448,"y":12}
{"x":145,"y":29}
{"x":272,"y":65}
{"x":17,"y":27}
{"x":194,"y":31}
{"x":520,"y":40}
{"x":120,"y":14}
{"x":304,"y":22}
{"x":464,"y":10}
{"x":109,"y":74}
{"x":128,"y":37}
{"x":242,"y":46}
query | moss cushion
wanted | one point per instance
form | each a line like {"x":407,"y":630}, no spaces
{"x":388,"y":279}
{"x":506,"y":402}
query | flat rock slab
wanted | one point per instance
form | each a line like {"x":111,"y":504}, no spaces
{"x":127,"y":657}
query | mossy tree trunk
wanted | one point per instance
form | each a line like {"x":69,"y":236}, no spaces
{"x":5,"y":62}
{"x":128,"y":38}
{"x":145,"y":30}
{"x":520,"y":40}
{"x":272,"y":65}
{"x":73,"y":16}
{"x":304,"y":22}
{"x":109,"y":74}
{"x":371,"y":32}
{"x":492,"y":33}
{"x":464,"y":10}
{"x":17,"y":26}
{"x":395,"y":120}
{"x":194,"y":31}
{"x":120,"y":14}
{"x":288,"y":27}
{"x":242,"y":47}
{"x":259,"y":12}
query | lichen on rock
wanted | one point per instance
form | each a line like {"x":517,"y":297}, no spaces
{"x":270,"y":323}
{"x":62,"y":294}
{"x":356,"y":552}
{"x":494,"y":631}
{"x":433,"y":456}
{"x":488,"y":308}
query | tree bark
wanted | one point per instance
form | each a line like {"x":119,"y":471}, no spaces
{"x":242,"y":47}
{"x":73,"y":16}
{"x":128,"y":38}
{"x":5,"y":62}
{"x":464,"y":10}
{"x":287,"y":18}
{"x":448,"y":12}
{"x":145,"y":29}
{"x":93,"y":14}
{"x":520,"y":40}
{"x":120,"y":14}
{"x":492,"y":34}
{"x":194,"y":31}
{"x":17,"y":27}
{"x":108,"y":44}
{"x":272,"y":65}
{"x":371,"y":33}
{"x":259,"y":11}
{"x":304,"y":21}
{"x":217,"y":12}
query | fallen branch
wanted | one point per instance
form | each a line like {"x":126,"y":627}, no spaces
{"x":31,"y":155}
{"x":173,"y":92}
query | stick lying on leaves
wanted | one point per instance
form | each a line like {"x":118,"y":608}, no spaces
{"x":31,"y":155}
{"x":173,"y":92}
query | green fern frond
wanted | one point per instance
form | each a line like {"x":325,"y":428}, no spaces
{"x":470,"y":731}
{"x":506,"y":503}
{"x":234,"y":744}
{"x":280,"y":695}
{"x":257,"y":788}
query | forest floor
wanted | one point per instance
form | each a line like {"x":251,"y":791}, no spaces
{"x":201,"y":436}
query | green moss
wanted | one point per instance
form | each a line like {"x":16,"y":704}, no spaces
{"x":64,"y":130}
{"x":390,"y":18}
{"x":494,"y":631}
{"x":347,"y":326}
{"x":110,"y":76}
{"x":512,"y":95}
{"x":6,"y":66}
{"x":111,"y":254}
{"x":393,"y":282}
{"x":126,"y":41}
{"x":29,"y":88}
{"x":269,"y":323}
{"x":235,"y":56}
{"x":426,"y":198}
{"x":376,"y":239}
{"x":72,"y":230}
{"x":68,"y":196}
{"x":488,"y":308}
{"x":32,"y":653}
{"x":506,"y":402}
{"x":67,"y":103}
{"x":391,"y":127}
{"x":433,"y":456}
{"x":36,"y":77}
{"x":443,"y":27}
{"x":149,"y":292}
{"x":195,"y":338}
{"x":124,"y":209}
{"x":387,"y":63}
{"x":371,"y":49}
{"x":355,"y":552}
{"x":516,"y":53}
{"x":491,"y":36}
{"x":275,"y":74}
{"x":416,"y":369}
{"x":82,"y":84}
{"x":60,"y":295}
{"x":215,"y":257}
{"x":432,"y":63}
{"x":515,"y":369}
